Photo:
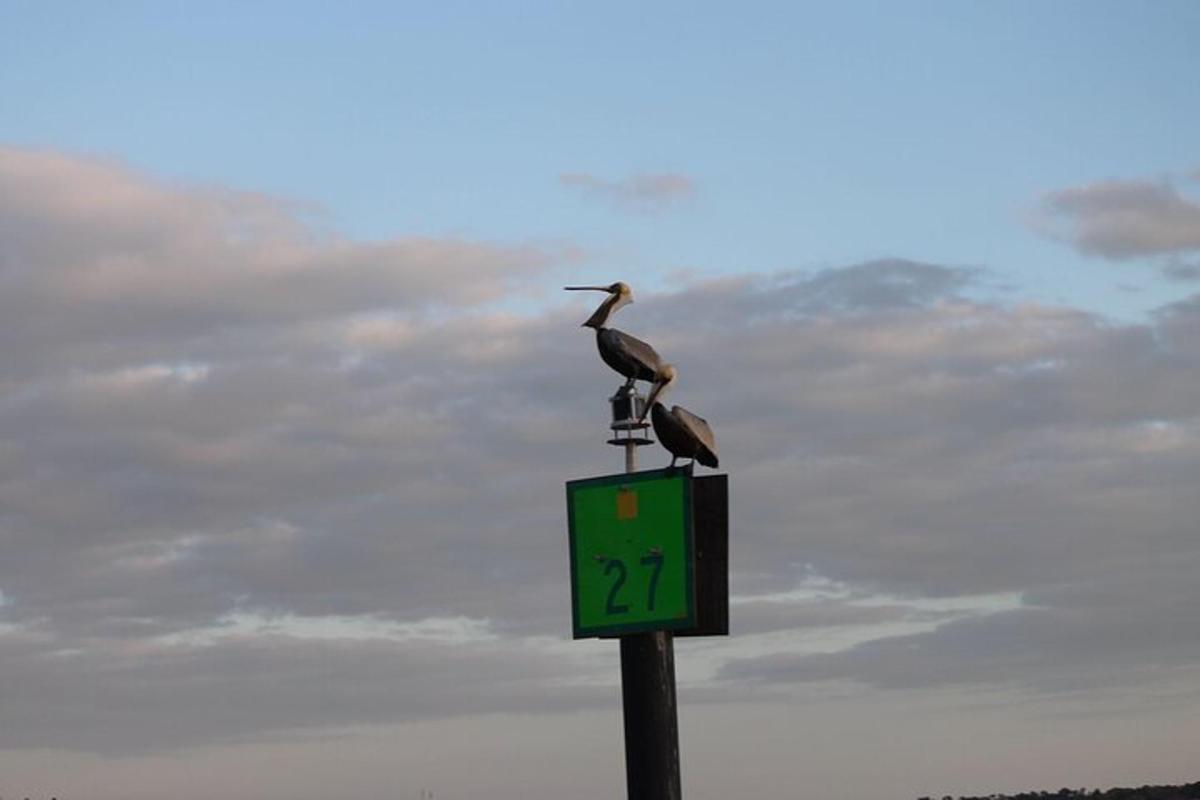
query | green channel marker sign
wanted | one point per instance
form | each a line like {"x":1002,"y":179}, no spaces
{"x":632,"y":553}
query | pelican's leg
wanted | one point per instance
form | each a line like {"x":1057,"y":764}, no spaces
{"x":673,"y":462}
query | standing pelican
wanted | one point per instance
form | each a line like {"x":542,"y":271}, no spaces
{"x":684,"y":434}
{"x":629,"y":356}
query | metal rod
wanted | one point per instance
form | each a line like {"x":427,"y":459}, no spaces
{"x":648,"y":699}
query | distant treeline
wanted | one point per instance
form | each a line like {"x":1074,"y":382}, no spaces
{"x":1187,"y":791}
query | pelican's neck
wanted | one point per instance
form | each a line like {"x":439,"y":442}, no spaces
{"x":659,"y":388}
{"x":606,"y":309}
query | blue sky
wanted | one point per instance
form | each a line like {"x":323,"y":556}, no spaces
{"x":289,"y":390}
{"x":816,"y":135}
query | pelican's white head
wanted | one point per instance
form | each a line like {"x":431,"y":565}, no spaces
{"x":619,"y":294}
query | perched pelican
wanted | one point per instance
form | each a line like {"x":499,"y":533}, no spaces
{"x":684,"y":434}
{"x":629,"y":356}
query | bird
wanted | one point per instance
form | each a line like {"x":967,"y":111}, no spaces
{"x":684,"y":434}
{"x":626,"y":354}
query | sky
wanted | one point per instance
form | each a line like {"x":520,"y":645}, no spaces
{"x":289,"y":391}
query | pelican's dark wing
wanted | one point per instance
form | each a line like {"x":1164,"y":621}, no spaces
{"x":697,"y":428}
{"x":671,"y":434}
{"x":628,"y":355}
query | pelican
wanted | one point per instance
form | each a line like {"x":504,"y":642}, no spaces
{"x":629,"y":356}
{"x":684,"y":434}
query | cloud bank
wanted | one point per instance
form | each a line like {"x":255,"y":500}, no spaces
{"x":257,"y":480}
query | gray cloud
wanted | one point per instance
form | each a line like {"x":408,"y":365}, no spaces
{"x":231,"y":444}
{"x":1122,"y":219}
{"x":1181,"y":271}
{"x":99,"y":261}
{"x":646,"y":192}
{"x":1075,"y":637}
{"x":121,"y":697}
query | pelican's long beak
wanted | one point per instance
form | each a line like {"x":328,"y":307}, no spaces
{"x":585,"y":288}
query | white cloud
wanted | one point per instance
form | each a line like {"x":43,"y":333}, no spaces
{"x":1122,"y":219}
{"x":362,"y":628}
{"x":643,"y":192}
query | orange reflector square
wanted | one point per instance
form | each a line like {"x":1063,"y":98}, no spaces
{"x":626,"y":504}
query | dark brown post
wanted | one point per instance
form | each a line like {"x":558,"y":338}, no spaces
{"x":648,"y":698}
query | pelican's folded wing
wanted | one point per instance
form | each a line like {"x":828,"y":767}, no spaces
{"x":698,"y":427}
{"x":638,"y":359}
